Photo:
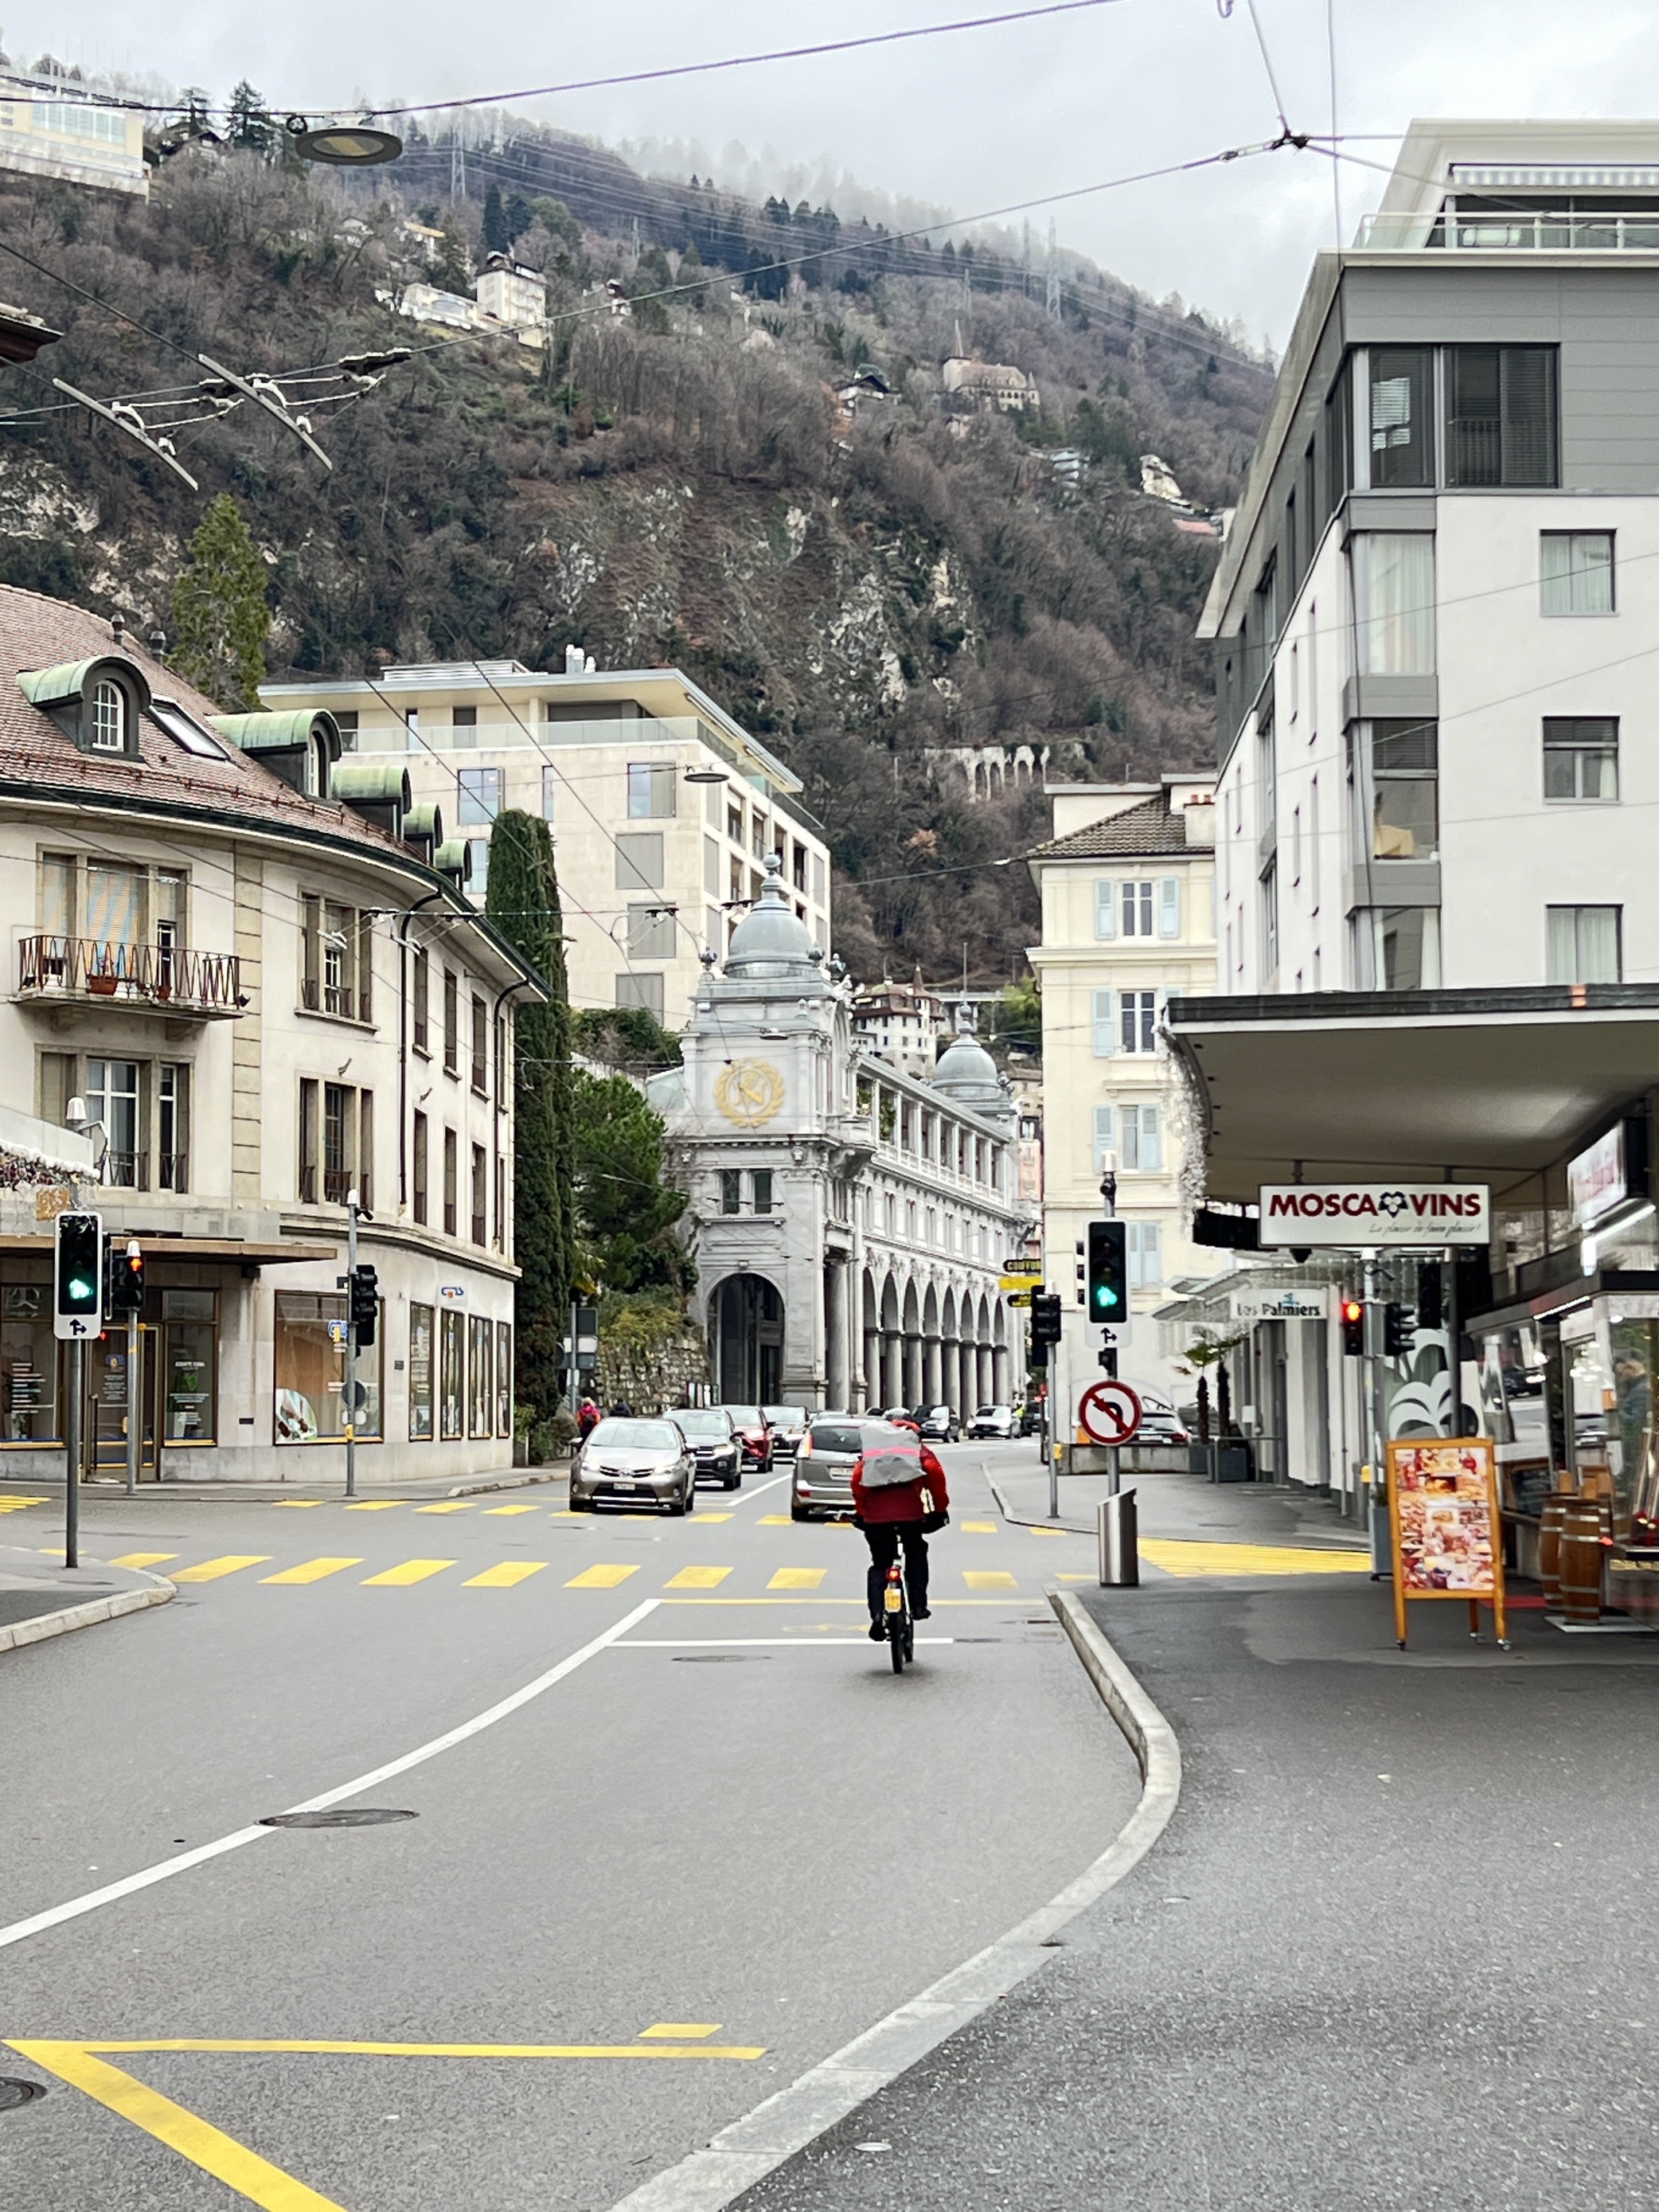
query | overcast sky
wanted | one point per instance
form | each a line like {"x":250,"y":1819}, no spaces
{"x":969,"y":121}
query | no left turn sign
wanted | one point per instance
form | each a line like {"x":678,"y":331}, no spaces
{"x":1109,"y":1412}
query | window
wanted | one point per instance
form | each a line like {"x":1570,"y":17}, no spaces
{"x":711,"y":868}
{"x":734,"y":825}
{"x":800,"y":867}
{"x":480,"y":1223}
{"x":1583,"y":944}
{"x":421,"y":996}
{"x":1136,"y":901}
{"x":501,"y":1057}
{"x":173,"y":1126}
{"x":420,"y":1168}
{"x":1100,"y":1023}
{"x":452,"y":1373}
{"x":760,"y":844}
{"x":310,"y":1371}
{"x":1105,"y":908}
{"x":644,"y":991}
{"x":1339,"y":438}
{"x":114,"y":1100}
{"x":481,"y":1381}
{"x":1397,"y":948}
{"x":1577,"y":569}
{"x":480,"y":1046}
{"x":1500,"y":415}
{"x":336,"y":959}
{"x":503,"y":1378}
{"x":500,"y":1203}
{"x":451,"y":1180}
{"x":650,"y":932}
{"x":761,"y":1181}
{"x":1140,"y":1140}
{"x":1266,"y":601}
{"x":345,"y":721}
{"x":639,"y":860}
{"x":818,"y":879}
{"x":650,"y":790}
{"x":420,"y":1373}
{"x":1580,"y":757}
{"x":452,"y":1023}
{"x":347,"y":1130}
{"x":463,"y":727}
{"x":1295,"y":845}
{"x":1145,"y":1253}
{"x":550,"y":790}
{"x":29,"y":1365}
{"x":479,"y":795}
{"x":1402,"y":417}
{"x":1137,"y":1021}
{"x":308,"y":1125}
{"x":1405,"y":791}
{"x":1270,"y":919}
{"x":1393,"y":602}
{"x":731,"y":1190}
{"x":114,"y":903}
{"x":106,"y":727}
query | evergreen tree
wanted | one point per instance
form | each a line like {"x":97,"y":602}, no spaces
{"x":523,"y":903}
{"x":519,"y":215}
{"x":496,"y":237}
{"x":220,"y":613}
{"x":251,"y":126}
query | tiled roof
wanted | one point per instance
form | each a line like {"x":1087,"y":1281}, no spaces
{"x":36,"y":632}
{"x":1152,"y":828}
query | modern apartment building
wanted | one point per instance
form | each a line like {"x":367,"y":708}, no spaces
{"x":1126,"y":885}
{"x":663,"y":809}
{"x":45,"y":131}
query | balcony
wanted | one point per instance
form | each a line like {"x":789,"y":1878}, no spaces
{"x":131,"y":1171}
{"x":1503,"y":231}
{"x":157,"y":979}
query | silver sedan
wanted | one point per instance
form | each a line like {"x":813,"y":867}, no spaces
{"x":634,"y":1463}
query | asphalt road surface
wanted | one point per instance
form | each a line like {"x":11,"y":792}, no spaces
{"x":716,"y":1840}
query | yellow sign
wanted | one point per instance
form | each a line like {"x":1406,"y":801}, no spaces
{"x":1026,"y":1283}
{"x":748,"y":1092}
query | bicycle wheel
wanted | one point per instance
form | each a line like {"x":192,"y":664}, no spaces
{"x":895,"y":1634}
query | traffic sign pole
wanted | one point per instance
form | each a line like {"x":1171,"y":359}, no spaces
{"x":72,"y":1454}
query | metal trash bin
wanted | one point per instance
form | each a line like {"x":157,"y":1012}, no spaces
{"x":1120,"y":1542}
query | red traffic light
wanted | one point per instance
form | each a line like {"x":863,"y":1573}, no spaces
{"x":1352,"y":1309}
{"x":1353,"y":1326}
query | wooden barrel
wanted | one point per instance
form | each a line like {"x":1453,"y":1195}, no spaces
{"x":1583,"y":1524}
{"x":1549,"y":1546}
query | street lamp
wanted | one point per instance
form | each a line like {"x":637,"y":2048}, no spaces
{"x":342,"y":145}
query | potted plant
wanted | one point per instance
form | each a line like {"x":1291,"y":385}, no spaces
{"x":1221,"y":1455}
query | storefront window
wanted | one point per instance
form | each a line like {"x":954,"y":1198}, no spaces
{"x":310,"y":1371}
{"x":480,"y":1363}
{"x":29,"y":1364}
{"x":503,"y":1378}
{"x":420,"y":1373}
{"x":189,"y":1343}
{"x":452,"y":1380}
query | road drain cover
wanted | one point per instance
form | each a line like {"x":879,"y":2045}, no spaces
{"x":718,"y":1658}
{"x":14,"y":2093}
{"x":339,"y":1816}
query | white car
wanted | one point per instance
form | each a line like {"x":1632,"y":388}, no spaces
{"x":990,"y":1421}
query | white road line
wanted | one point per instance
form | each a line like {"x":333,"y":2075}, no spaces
{"x":747,"y":1495}
{"x":147,"y":1877}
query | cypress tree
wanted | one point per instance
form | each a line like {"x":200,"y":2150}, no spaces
{"x":220,"y":610}
{"x":523,"y":903}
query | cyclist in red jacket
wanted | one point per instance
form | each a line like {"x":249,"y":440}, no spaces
{"x":899,"y":1496}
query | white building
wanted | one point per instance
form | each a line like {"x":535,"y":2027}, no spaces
{"x":991,"y":386}
{"x":850,"y":1222}
{"x":506,"y":296}
{"x":902,"y":1022}
{"x":47,"y":132}
{"x":235,"y":948}
{"x":663,"y":809}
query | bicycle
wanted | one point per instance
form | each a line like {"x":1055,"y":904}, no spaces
{"x":896,"y":1619}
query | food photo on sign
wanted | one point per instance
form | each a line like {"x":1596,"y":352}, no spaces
{"x":1443,"y":1505}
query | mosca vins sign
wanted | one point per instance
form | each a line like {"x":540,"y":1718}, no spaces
{"x":1376,"y":1213}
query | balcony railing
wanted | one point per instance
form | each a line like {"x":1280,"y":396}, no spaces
{"x":164,"y":977}
{"x":1503,"y":231}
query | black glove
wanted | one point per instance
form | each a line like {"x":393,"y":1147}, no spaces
{"x":933,"y":1522}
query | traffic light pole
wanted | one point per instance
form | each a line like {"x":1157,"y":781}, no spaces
{"x":135,"y":1404}
{"x":77,"y":1384}
{"x":351,"y":1346}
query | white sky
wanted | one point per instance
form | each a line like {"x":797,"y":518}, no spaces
{"x":969,"y":122}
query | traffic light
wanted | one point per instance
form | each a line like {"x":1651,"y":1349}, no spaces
{"x":1353,"y":1328}
{"x":123,"y":1280}
{"x":78,"y":1275}
{"x":1046,"y":1326}
{"x":365,"y":1305}
{"x":1431,"y":1295}
{"x":1108,"y":1270}
{"x":1399,"y":1331}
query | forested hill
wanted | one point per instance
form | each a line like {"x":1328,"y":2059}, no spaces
{"x":680,"y":485}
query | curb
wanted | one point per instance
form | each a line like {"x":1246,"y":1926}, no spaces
{"x":69,"y":1617}
{"x":1020,"y":1521}
{"x":787,"y":2121}
{"x":507,"y":1482}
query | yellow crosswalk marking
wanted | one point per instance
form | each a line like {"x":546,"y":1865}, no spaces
{"x":708,"y":1517}
{"x":449,"y":1505}
{"x":311,"y":1570}
{"x":505,"y":1576}
{"x":680,"y":2031}
{"x":211,"y":1570}
{"x":774,"y":1521}
{"x":143,"y":1558}
{"x":601,"y":1577}
{"x":987,"y":1581}
{"x":412,"y":1571}
{"x":18,"y":1505}
{"x":374,"y":1505}
{"x":1048,"y":1532}
{"x":1179,"y":1557}
{"x":298,"y":1504}
{"x":512,"y":1508}
{"x":796,"y":1578}
{"x":1074,"y":1578}
{"x":979,"y":1527}
{"x":697,"y":1579}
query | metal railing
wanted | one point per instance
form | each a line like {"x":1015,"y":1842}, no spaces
{"x":1506,"y":231}
{"x":98,"y":967}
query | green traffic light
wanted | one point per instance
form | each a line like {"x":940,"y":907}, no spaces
{"x":79,"y":1289}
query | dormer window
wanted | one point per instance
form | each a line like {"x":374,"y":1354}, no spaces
{"x":107,"y":717}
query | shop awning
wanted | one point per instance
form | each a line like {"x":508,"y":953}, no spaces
{"x":225,"y":1250}
{"x":1357,"y":1087}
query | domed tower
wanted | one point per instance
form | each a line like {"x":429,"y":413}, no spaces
{"x":967,"y":1072}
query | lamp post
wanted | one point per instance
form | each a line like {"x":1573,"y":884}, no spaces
{"x":352,"y":1202}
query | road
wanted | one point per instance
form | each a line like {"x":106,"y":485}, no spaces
{"x":715,"y":1841}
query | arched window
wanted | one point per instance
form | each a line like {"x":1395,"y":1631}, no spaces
{"x":109,"y":717}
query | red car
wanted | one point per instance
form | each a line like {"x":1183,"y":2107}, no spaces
{"x":754,"y":1434}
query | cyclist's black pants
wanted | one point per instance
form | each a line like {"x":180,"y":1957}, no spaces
{"x":883,"y":1538}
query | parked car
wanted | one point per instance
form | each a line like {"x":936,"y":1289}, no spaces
{"x":634,"y":1463}
{"x":789,"y":1425}
{"x":754,"y":1434}
{"x":713,"y":1436}
{"x":1161,"y":1425}
{"x":992,"y":1421}
{"x":1028,"y":1419}
{"x":937,"y":1424}
{"x":821,"y":1484}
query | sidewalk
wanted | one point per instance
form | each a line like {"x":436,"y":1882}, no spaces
{"x":270,"y":1493}
{"x":1393,"y":1952}
{"x":39,"y":1596}
{"x":1182,"y":1505}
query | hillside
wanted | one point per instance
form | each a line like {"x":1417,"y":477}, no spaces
{"x":679,"y":485}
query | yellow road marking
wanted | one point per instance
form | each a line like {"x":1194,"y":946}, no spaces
{"x":1049,"y":1532}
{"x":936,"y":1603}
{"x":311,"y":1570}
{"x":1180,"y":1558}
{"x":979,"y":1527}
{"x":211,"y":1570}
{"x":374,"y":1505}
{"x":449,"y":1505}
{"x":251,"y":2176}
{"x":1074,"y":1578}
{"x":298,"y":1504}
{"x":697,"y":1579}
{"x":412,"y":1571}
{"x":504,"y":1577}
{"x":987,"y":1580}
{"x":703,"y":1516}
{"x":774,"y":1521}
{"x":21,"y":1505}
{"x":512,"y":1508}
{"x":143,"y":1558}
{"x":601,"y":1577}
{"x":681,"y":2031}
{"x":313,"y":2046}
{"x":796,"y":1578}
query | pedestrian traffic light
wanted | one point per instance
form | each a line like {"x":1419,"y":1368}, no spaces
{"x":1046,"y":1325}
{"x":1108,"y":1270}
{"x":1399,"y":1331}
{"x":1431,"y":1295}
{"x":1353,"y":1328}
{"x":123,"y":1280}
{"x":78,"y":1275}
{"x":365,"y":1305}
